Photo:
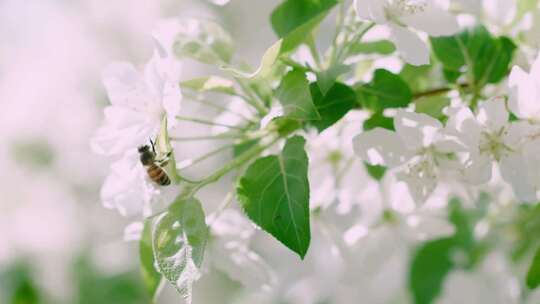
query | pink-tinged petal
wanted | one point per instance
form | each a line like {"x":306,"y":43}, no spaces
{"x":124,"y":187}
{"x":433,"y":20}
{"x":535,"y":70}
{"x":410,"y":46}
{"x":493,"y":114}
{"x":416,"y":130}
{"x":524,"y":94}
{"x":515,"y":171}
{"x":122,"y":82}
{"x":381,"y":147}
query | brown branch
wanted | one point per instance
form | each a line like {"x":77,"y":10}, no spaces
{"x":438,"y":91}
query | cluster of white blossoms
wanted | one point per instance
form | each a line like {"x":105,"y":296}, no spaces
{"x":140,"y":100}
{"x":467,"y":147}
{"x":404,"y":18}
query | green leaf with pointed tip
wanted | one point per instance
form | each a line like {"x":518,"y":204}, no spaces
{"x":476,"y":52}
{"x":431,"y":264}
{"x":210,"y":84}
{"x":151,"y":277}
{"x":332,"y":106}
{"x":533,"y":275}
{"x":378,"y":120}
{"x":274,"y":193}
{"x":291,"y":14}
{"x":386,"y":90}
{"x":179,"y":238}
{"x":295,"y":97}
{"x":327,"y":78}
{"x":433,"y":261}
{"x":288,"y":43}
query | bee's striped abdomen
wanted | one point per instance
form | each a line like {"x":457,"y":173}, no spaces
{"x":158,"y":175}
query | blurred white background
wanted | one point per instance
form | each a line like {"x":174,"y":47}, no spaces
{"x":51,"y":56}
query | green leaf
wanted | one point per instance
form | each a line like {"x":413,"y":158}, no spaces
{"x":476,"y":52}
{"x":432,"y":105}
{"x":431,"y":264}
{"x":327,"y":78}
{"x":386,"y":90}
{"x":419,"y":78}
{"x":94,"y":286}
{"x":338,"y":101}
{"x":533,"y":275}
{"x":274,"y":193}
{"x":378,"y":120}
{"x":375,"y":171}
{"x":434,"y":260}
{"x":179,"y":237}
{"x":288,"y":43}
{"x":383,"y":47}
{"x":291,"y":14}
{"x":151,"y":277}
{"x":210,"y":84}
{"x":17,"y":285}
{"x":295,"y":97}
{"x":240,"y":148}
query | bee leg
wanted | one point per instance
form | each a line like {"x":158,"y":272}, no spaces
{"x":165,"y":160}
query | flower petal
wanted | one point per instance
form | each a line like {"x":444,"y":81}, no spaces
{"x":479,"y":169}
{"x":421,"y":180}
{"x":370,"y":10}
{"x":493,"y":114}
{"x":515,"y":171}
{"x":524,"y":94}
{"x":433,"y":20}
{"x":124,"y":187}
{"x":123,"y":82}
{"x":410,"y":46}
{"x":463,"y":125}
{"x":416,"y":130}
{"x":381,"y":147}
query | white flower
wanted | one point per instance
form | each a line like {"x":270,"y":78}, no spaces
{"x":525,"y":92}
{"x":490,"y":137}
{"x":524,"y":103}
{"x":402,"y":16}
{"x":138,"y":103}
{"x":418,"y":143}
{"x":129,"y":190}
{"x":331,"y":153}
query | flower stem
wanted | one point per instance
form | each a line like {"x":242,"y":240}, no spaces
{"x":210,"y":137}
{"x":438,"y":91}
{"x":235,"y":163}
{"x":251,"y":98}
{"x":207,"y":122}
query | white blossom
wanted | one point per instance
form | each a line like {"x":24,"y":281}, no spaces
{"x":490,"y":137}
{"x":139,"y":101}
{"x":401,"y":16}
{"x":129,"y":190}
{"x":419,"y":147}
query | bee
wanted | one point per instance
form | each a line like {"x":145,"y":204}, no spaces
{"x":154,"y":167}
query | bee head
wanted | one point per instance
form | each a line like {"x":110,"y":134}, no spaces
{"x":147,"y":157}
{"x":143,"y":149}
